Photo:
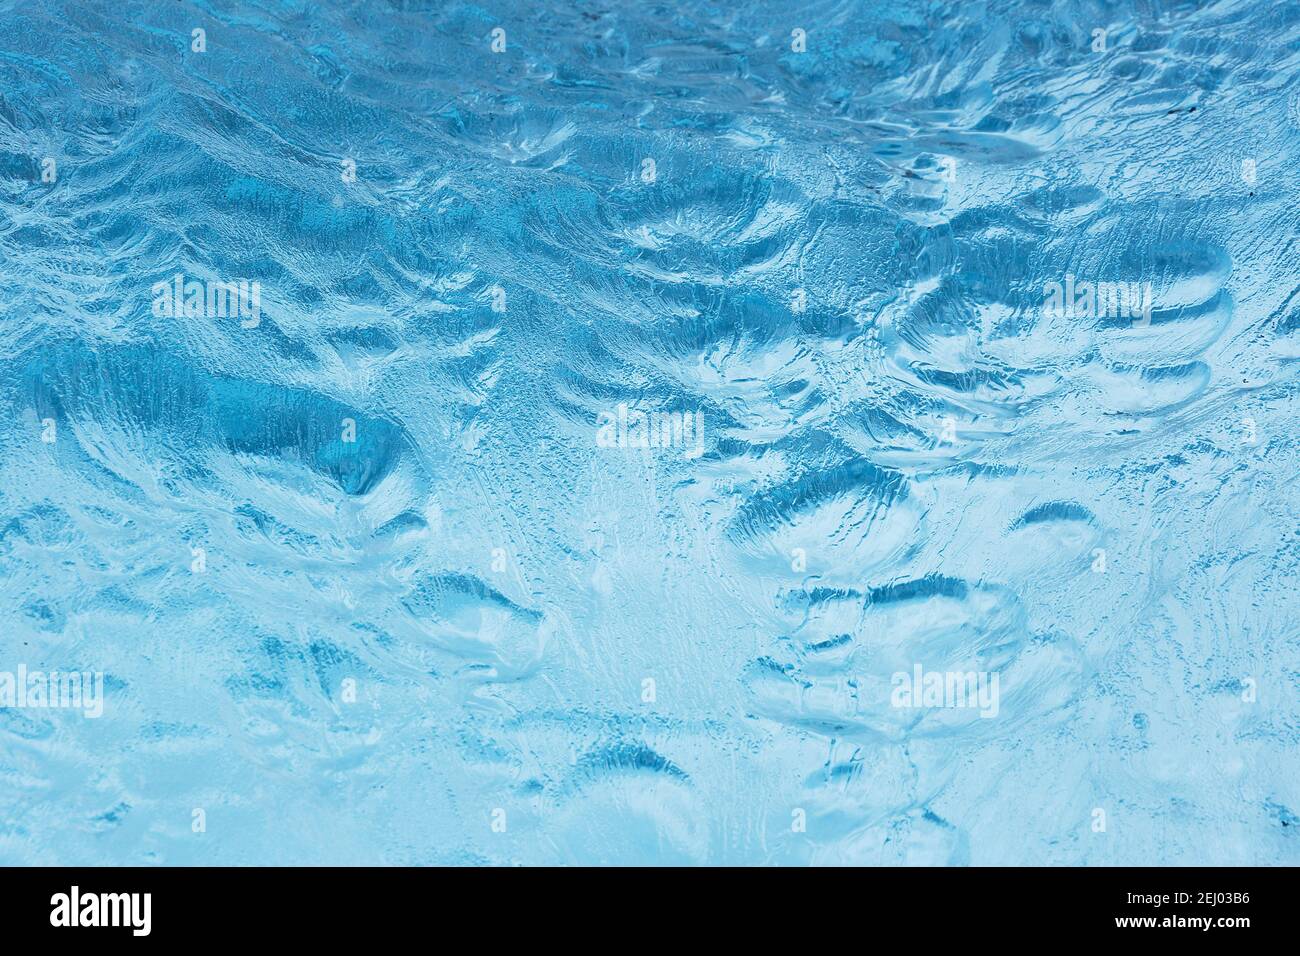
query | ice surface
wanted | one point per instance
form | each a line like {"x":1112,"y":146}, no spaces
{"x":378,"y":572}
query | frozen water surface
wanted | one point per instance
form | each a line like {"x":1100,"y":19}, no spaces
{"x":961,"y":339}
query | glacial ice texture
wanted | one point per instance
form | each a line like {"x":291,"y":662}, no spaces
{"x":383,"y":577}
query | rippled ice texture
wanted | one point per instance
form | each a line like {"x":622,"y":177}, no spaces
{"x":476,"y":636}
